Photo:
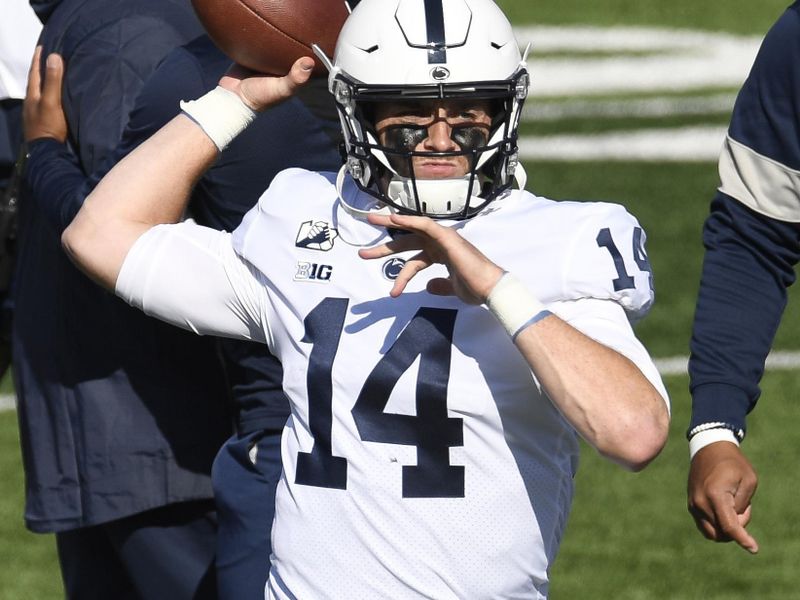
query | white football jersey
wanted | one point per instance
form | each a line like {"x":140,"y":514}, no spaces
{"x":421,"y":459}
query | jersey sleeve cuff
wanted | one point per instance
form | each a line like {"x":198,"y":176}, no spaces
{"x":719,"y":403}
{"x":718,"y":433}
{"x":132,"y":278}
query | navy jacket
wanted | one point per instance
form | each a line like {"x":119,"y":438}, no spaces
{"x":752,"y":235}
{"x":118,"y":412}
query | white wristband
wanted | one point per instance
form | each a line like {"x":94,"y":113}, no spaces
{"x":710,"y":436}
{"x":514,"y":305}
{"x":221,"y":114}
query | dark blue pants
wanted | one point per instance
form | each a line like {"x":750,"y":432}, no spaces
{"x":165,"y":553}
{"x":245,"y":496}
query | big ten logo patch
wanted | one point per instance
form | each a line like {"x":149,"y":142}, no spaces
{"x":314,"y":272}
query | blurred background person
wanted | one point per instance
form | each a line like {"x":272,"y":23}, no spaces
{"x":120,"y":416}
{"x":306,"y":134}
{"x":19,"y":30}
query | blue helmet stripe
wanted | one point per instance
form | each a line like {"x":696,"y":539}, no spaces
{"x":434,"y":20}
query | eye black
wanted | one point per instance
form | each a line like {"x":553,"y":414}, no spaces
{"x":405,"y":137}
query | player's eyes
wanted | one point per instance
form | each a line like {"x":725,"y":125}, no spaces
{"x":473,"y":115}
{"x":469,"y":137}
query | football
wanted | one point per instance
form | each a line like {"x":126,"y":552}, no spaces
{"x":269,"y":35}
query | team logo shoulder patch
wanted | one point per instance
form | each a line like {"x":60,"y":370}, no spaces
{"x":392,"y":268}
{"x":316,"y":235}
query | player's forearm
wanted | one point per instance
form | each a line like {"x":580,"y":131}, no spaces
{"x":151,"y":185}
{"x":601,"y":393}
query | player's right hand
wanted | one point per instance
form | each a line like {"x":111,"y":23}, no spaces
{"x":259,"y":91}
{"x":722,"y":483}
{"x":472,"y":276}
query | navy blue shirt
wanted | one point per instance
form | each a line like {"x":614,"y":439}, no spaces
{"x":752,"y":236}
{"x":118,"y":412}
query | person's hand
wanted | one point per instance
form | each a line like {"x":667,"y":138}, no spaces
{"x":472,"y":275}
{"x":42,"y":114}
{"x":259,"y":91}
{"x":722,"y":483}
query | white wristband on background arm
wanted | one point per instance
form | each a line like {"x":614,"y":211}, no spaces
{"x":709,"y":436}
{"x":221,"y":114}
{"x":514,"y":305}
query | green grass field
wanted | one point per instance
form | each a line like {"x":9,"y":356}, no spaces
{"x":629,"y":536}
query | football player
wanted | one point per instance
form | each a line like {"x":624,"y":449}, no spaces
{"x":445,"y":338}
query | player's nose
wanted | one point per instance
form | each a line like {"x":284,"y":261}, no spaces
{"x":440,"y":137}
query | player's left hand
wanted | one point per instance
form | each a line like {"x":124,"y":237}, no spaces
{"x":472,"y":275}
{"x":42,"y":114}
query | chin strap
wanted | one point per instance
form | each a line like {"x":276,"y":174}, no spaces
{"x":521,"y":176}
{"x":375,"y":206}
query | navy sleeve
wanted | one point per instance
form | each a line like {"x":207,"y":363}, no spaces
{"x":55,"y":181}
{"x":747,"y":267}
{"x":750,"y":257}
{"x":766,"y":117}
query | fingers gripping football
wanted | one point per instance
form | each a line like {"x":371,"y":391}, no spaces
{"x":260,"y":92}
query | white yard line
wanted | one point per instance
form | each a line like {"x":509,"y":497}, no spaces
{"x":701,"y":143}
{"x":675,"y":60}
{"x":537,"y":110}
{"x":776,"y":361}
{"x":7,"y":402}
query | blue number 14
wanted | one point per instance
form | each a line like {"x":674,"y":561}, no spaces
{"x":624,"y":281}
{"x":431,"y":431}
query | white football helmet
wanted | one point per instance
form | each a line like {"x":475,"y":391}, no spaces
{"x":423,"y":50}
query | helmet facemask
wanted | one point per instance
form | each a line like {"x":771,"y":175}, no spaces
{"x":387,"y":170}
